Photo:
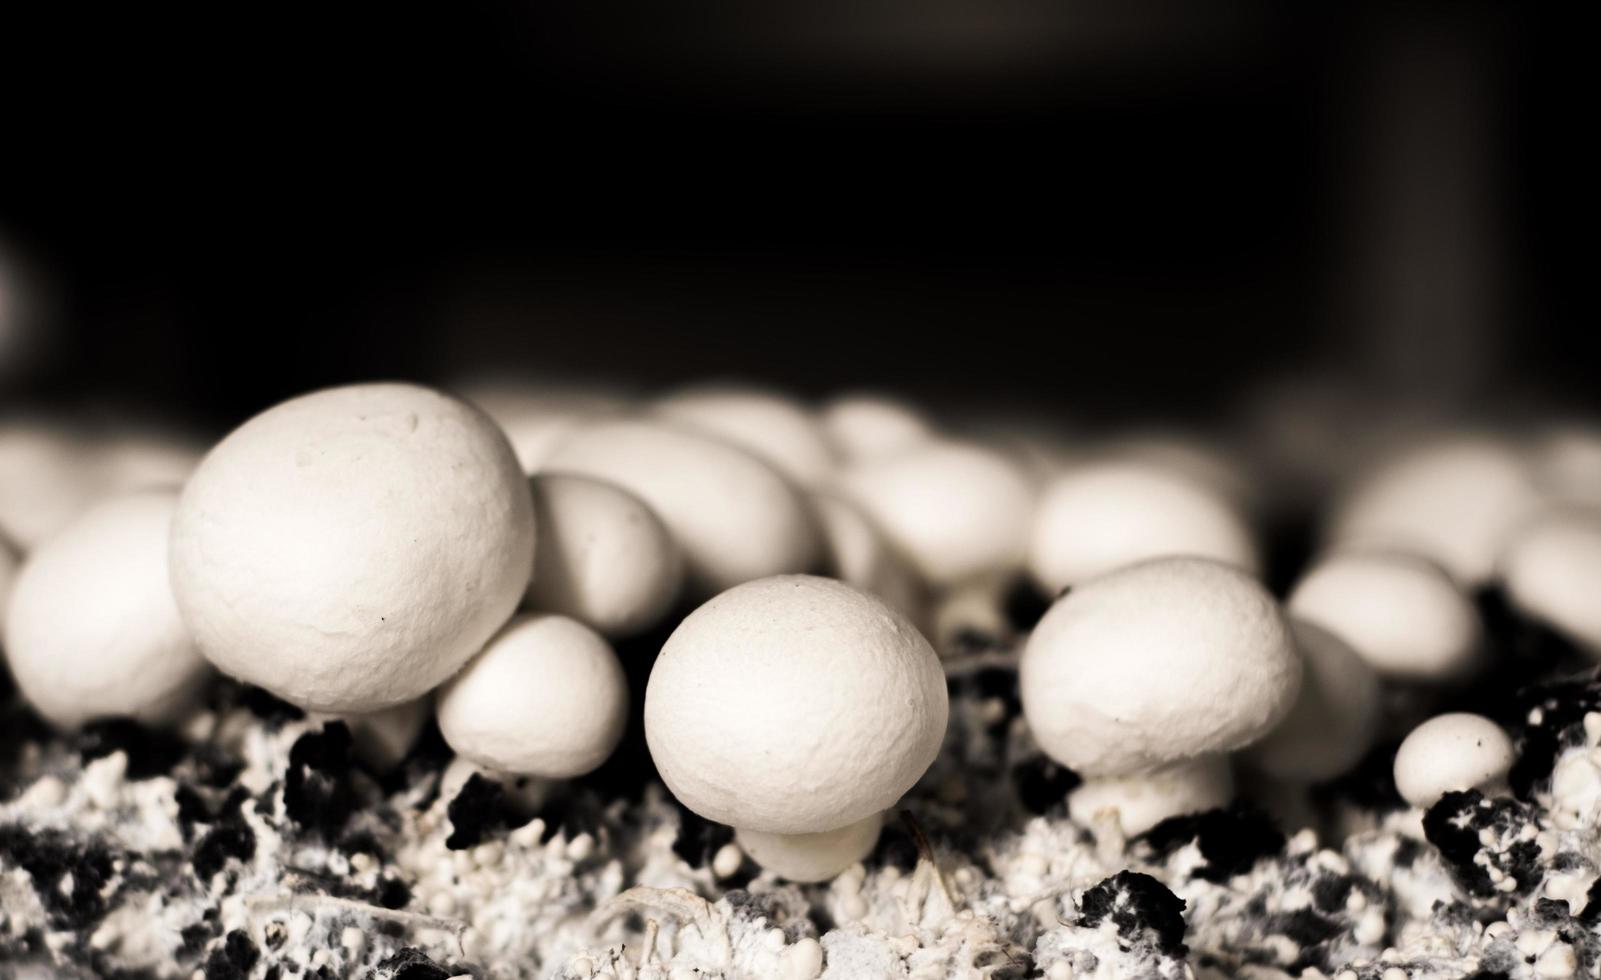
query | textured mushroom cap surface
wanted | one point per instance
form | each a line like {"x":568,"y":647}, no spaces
{"x":794,"y":705}
{"x":1552,"y":570}
{"x":955,"y":510}
{"x":1452,"y":500}
{"x":868,"y":426}
{"x":604,"y":557}
{"x":1400,"y":612}
{"x":768,"y":426}
{"x":812,"y":857}
{"x":1155,"y":664}
{"x":350,"y":549}
{"x":92,"y":629}
{"x":547,"y":697}
{"x":1334,"y":720}
{"x":1451,"y":752}
{"x":735,"y":517}
{"x":1102,"y":516}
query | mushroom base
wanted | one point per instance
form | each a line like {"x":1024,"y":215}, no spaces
{"x":1141,"y":802}
{"x":812,"y":857}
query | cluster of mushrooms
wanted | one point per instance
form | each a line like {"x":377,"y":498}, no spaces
{"x":381,"y":551}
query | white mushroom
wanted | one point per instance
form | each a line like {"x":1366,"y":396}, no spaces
{"x":858,"y":555}
{"x":8,"y":578}
{"x":1452,"y":752}
{"x":1335,"y":719}
{"x":604,"y":557}
{"x":765,"y":424}
{"x":1104,"y":515}
{"x":92,"y":629}
{"x":1567,"y":464}
{"x":1552,"y":570}
{"x":735,"y":517}
{"x":812,"y":857}
{"x":955,"y":510}
{"x":1452,"y":500}
{"x":865,"y":427}
{"x":1155,"y":668}
{"x":537,"y":417}
{"x":47,"y":478}
{"x":795,"y":705}
{"x":547,"y":697}
{"x":1400,"y":612}
{"x":350,"y":549}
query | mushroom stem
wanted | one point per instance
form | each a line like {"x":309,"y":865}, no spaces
{"x":811,"y":857}
{"x":1143,"y":801}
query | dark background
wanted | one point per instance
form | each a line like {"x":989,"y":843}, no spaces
{"x":1105,"y":210}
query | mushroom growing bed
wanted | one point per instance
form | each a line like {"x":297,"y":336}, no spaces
{"x":261,"y":843}
{"x":1019,"y":728}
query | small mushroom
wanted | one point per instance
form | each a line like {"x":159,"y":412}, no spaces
{"x":92,"y":630}
{"x":1452,"y":499}
{"x":955,"y":510}
{"x":865,"y":427}
{"x":547,"y":697}
{"x":1552,"y":570}
{"x":768,"y":425}
{"x":735,"y":517}
{"x":1335,"y":719}
{"x":795,"y":706}
{"x":1157,"y":670}
{"x":350,"y":549}
{"x":604,"y":557}
{"x":1401,"y":612}
{"x":1115,"y":512}
{"x":1457,"y":751}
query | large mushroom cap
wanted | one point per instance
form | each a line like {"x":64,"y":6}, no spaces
{"x":1157,"y":663}
{"x":956,"y":510}
{"x":794,"y":705}
{"x":766,"y":424}
{"x":1453,"y":500}
{"x":350,"y":549}
{"x":735,"y":517}
{"x":1104,"y":515}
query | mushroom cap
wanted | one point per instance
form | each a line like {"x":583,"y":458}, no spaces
{"x":1101,"y":516}
{"x":1452,"y":500}
{"x":350,"y":549}
{"x":865,"y":427}
{"x":47,"y":478}
{"x":536,"y":417}
{"x":546,"y":697}
{"x":604,"y":557}
{"x":735,"y":517}
{"x":1400,"y":612}
{"x":858,"y":555}
{"x":92,"y":630}
{"x":1567,"y":463}
{"x":1145,"y":800}
{"x":9,"y":563}
{"x":1552,"y":570}
{"x":768,"y":425}
{"x":794,"y":705}
{"x":1458,"y":751}
{"x":812,"y":857}
{"x":1335,"y":718}
{"x":956,"y":510}
{"x":1155,"y":664}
